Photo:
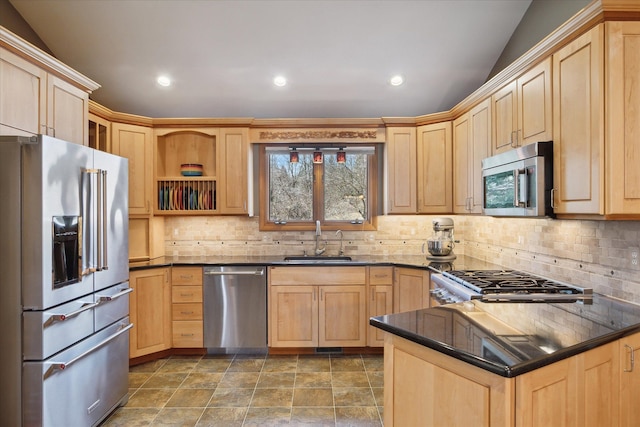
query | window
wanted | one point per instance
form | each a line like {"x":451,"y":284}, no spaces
{"x":293,"y":195}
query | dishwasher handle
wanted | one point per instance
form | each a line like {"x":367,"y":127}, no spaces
{"x":259,"y":272}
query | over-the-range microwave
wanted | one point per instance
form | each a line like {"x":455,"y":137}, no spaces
{"x":519,"y":182}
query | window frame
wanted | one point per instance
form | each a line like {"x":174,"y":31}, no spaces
{"x":374,"y":177}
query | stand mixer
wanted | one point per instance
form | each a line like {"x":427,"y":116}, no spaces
{"x":441,"y":243}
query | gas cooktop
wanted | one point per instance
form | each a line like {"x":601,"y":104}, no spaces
{"x":515,"y":285}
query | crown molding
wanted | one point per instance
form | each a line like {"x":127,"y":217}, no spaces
{"x":34,"y":54}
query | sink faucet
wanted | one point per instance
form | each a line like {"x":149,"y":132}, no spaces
{"x":319,"y":250}
{"x":341,"y":251}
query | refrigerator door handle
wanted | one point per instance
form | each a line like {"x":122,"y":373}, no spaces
{"x":101,"y":226}
{"x":61,"y":366}
{"x":86,"y":224}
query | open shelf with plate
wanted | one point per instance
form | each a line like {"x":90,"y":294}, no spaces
{"x":186,"y":172}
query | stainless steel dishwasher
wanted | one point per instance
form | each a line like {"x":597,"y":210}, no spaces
{"x":235,"y":309}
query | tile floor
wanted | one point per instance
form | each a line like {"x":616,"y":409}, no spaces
{"x":241,"y":390}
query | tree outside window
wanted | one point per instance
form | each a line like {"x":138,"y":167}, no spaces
{"x":295,"y":195}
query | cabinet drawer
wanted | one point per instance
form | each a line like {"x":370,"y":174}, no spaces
{"x":186,"y":276}
{"x":186,"y":294}
{"x":186,"y":311}
{"x":188,"y":334}
{"x":293,"y":276}
{"x":380,"y":275}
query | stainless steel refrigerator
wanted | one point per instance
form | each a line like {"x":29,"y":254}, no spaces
{"x":64,"y":300}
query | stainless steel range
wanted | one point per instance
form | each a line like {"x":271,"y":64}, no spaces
{"x":502,"y":286}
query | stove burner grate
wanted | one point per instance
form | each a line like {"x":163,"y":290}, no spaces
{"x":508,"y":281}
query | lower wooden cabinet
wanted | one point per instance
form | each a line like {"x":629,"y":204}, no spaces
{"x":410,"y":289}
{"x":186,"y":307}
{"x":596,"y":388}
{"x":629,"y":368}
{"x":150,"y":311}
{"x":317,"y":307}
{"x":380,"y":300}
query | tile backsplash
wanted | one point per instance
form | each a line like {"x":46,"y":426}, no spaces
{"x":594,"y":254}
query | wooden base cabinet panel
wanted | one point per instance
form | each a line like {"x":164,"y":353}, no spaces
{"x":410,"y":289}
{"x":629,"y":372}
{"x":293,"y":316}
{"x":150,"y":311}
{"x":186,"y":307}
{"x":317,"y":307}
{"x":426,"y":388}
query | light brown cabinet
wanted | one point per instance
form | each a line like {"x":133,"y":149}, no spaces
{"x":629,"y":349}
{"x":135,"y":143}
{"x":471,"y":144}
{"x":186,"y":307}
{"x":233,"y":152}
{"x":317,"y":307}
{"x":410,"y":289}
{"x":595,"y":388}
{"x":223,"y":186}
{"x":401,"y":154}
{"x":380,"y":300}
{"x":146,"y":232}
{"x":622,"y":137}
{"x":33,"y":101}
{"x":578,"y":125}
{"x":424,"y":387}
{"x":580,"y":391}
{"x":434,"y":169}
{"x":150,"y":311}
{"x":522,"y":110}
{"x":99,"y":133}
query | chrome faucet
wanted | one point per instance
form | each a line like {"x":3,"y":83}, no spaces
{"x":319,"y":250}
{"x":341,"y":251}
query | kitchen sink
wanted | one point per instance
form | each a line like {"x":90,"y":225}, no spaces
{"x":309,"y":259}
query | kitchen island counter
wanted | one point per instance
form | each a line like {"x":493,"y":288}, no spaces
{"x":510,"y":339}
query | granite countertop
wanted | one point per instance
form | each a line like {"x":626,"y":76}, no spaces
{"x":414,"y":261}
{"x":510,"y":339}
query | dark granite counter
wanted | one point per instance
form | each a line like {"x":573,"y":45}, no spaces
{"x":510,"y":339}
{"x":412,"y":261}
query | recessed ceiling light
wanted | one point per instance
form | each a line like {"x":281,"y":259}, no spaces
{"x":279,"y":81}
{"x":164,"y":81}
{"x":396,"y":80}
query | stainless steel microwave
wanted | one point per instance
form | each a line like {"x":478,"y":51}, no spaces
{"x":519,"y":182}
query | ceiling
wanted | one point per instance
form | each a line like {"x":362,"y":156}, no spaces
{"x":338,"y":56}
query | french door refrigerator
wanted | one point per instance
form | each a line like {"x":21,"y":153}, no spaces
{"x":64,"y":300}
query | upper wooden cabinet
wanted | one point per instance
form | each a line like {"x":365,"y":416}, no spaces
{"x":522,"y":110}
{"x":99,"y":133}
{"x":401,"y":170}
{"x":233,"y":151}
{"x":191,"y":194}
{"x":578,"y":125}
{"x":33,"y":101}
{"x":622,"y":137}
{"x":223,"y":185}
{"x":135,"y":143}
{"x":471,"y":144}
{"x":419,"y":168}
{"x":434,"y":169}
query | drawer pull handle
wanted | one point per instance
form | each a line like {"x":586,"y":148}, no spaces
{"x":186,"y":276}
{"x":186,"y":312}
{"x":186,"y":295}
{"x":186,"y":335}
